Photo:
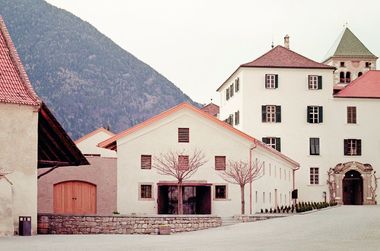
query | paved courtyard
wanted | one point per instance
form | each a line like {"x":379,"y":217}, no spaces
{"x":341,"y":228}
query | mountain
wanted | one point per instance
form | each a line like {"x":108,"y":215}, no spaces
{"x":84,"y":77}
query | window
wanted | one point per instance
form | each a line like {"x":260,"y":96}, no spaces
{"x":360,"y":73}
{"x":270,"y":198}
{"x":314,"y":114}
{"x":314,"y":175}
{"x":351,"y":115}
{"x":237,"y":85}
{"x":183,"y":135}
{"x":273,"y":142}
{"x":342,"y":79}
{"x":220,"y":192}
{"x":146,"y":191}
{"x":352,"y":147}
{"x":315,"y":82}
{"x":256,"y":196}
{"x":348,"y":77}
{"x":314,"y":146}
{"x":220,"y":162}
{"x":146,"y":161}
{"x":271,"y":113}
{"x":270,"y":169}
{"x":367,"y":64}
{"x":342,"y":64}
{"x":232,"y":90}
{"x":271,"y":81}
{"x":228,"y":93}
{"x":237,"y":118}
{"x":263,"y":197}
{"x":230,"y":119}
{"x":183,"y":162}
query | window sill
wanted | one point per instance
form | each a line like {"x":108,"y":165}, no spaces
{"x":222,"y":199}
{"x":146,"y":199}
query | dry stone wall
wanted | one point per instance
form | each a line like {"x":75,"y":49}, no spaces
{"x":120,"y":224}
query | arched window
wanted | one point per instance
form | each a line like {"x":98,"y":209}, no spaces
{"x":348,"y":77}
{"x":360,"y":73}
{"x":341,"y":76}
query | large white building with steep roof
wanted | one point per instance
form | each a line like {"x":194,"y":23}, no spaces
{"x":288,"y":102}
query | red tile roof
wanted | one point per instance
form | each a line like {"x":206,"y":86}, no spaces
{"x":14,"y":83}
{"x":211,"y":109}
{"x":111,"y":143}
{"x":280,"y":57}
{"x":365,"y":86}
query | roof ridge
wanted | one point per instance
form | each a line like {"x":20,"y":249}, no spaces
{"x":17,"y":62}
{"x":100,"y":129}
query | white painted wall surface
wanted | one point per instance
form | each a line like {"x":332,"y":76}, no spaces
{"x":294,"y":96}
{"x":89,"y":145}
{"x":212,"y":140}
{"x":18,"y":137}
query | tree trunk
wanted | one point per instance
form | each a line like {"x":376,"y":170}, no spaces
{"x":242,"y":199}
{"x":180,"y":199}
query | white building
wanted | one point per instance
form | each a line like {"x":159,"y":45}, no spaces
{"x":184,"y":128}
{"x":287,"y":101}
{"x":31,"y":138}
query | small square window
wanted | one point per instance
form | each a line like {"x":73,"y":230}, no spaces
{"x":314,"y":175}
{"x":220,"y":162}
{"x":146,"y":161}
{"x":367,"y":64}
{"x":314,"y":114}
{"x":220,"y":192}
{"x":146,"y":192}
{"x":271,"y":81}
{"x":342,"y":64}
{"x":183,"y":135}
{"x":352,"y":147}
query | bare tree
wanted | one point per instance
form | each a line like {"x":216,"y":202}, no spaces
{"x":241,"y":173}
{"x":4,"y":173}
{"x":180,"y":166}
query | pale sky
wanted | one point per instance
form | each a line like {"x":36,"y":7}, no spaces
{"x":197,"y":44}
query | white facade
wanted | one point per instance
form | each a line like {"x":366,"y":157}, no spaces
{"x":213,"y":138}
{"x":19,"y":196}
{"x":88,"y":144}
{"x":293,"y":95}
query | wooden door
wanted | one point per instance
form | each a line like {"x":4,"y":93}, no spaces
{"x":74,"y":197}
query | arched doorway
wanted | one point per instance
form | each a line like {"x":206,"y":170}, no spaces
{"x":74,"y":197}
{"x":352,"y":188}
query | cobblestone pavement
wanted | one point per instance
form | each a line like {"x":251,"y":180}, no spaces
{"x":341,"y":228}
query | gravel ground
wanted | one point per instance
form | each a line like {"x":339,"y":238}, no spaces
{"x":340,"y":228}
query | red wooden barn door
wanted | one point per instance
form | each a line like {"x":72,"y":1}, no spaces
{"x":74,"y":197}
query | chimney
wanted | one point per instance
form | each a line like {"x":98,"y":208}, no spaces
{"x":286,"y":41}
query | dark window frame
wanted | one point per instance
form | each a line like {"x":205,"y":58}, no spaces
{"x":314,"y":146}
{"x":146,"y":191}
{"x":183,"y":135}
{"x":222,"y":194}
{"x":314,"y":176}
{"x":144,"y":159}
{"x":351,"y":115}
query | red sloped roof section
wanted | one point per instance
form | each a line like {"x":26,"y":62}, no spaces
{"x":366,"y":86}
{"x":14,"y":83}
{"x":280,"y":57}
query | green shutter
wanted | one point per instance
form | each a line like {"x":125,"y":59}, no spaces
{"x":319,"y":82}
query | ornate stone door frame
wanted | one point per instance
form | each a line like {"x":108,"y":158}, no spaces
{"x":336,"y":176}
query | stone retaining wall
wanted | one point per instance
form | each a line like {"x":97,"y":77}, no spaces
{"x":258,"y":217}
{"x":121,"y":224}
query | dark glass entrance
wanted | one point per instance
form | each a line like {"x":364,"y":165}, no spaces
{"x":196,"y":199}
{"x":352,"y":188}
